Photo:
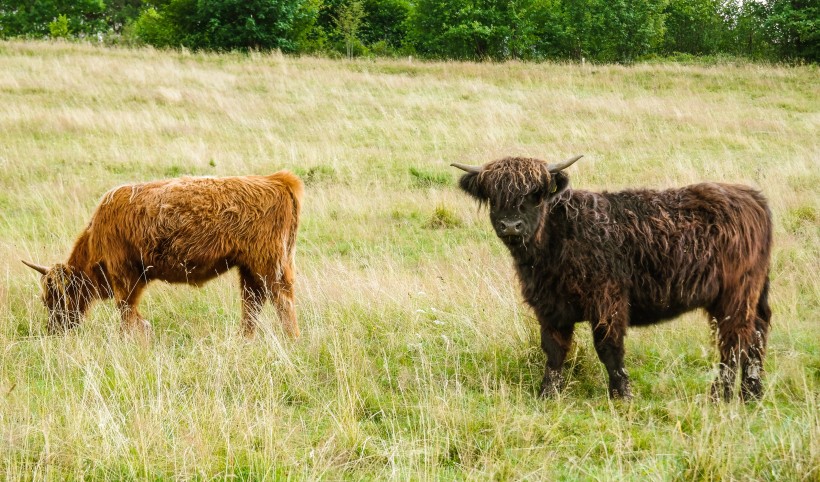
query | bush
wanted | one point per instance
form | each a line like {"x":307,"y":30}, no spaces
{"x":154,"y":29}
{"x":382,"y":49}
{"x":59,"y":27}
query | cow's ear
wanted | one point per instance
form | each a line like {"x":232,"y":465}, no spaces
{"x":559,"y":183}
{"x":469,"y":184}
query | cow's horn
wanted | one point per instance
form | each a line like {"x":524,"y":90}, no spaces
{"x":467,"y":168}
{"x":36,"y":267}
{"x":563,"y":165}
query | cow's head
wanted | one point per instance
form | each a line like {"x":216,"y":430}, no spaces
{"x":516,"y":189}
{"x":67,"y":293}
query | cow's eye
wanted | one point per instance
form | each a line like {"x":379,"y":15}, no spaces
{"x":533,"y":199}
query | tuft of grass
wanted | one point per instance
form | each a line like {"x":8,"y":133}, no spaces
{"x":443,"y":218}
{"x":802,"y":217}
{"x":316,"y":174}
{"x":424,"y":178}
{"x":173,"y":171}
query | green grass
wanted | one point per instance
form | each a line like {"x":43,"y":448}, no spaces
{"x":418,"y":359}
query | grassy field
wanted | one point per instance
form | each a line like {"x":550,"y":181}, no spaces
{"x":417,"y":359}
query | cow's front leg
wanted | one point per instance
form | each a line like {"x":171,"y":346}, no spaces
{"x":608,"y":332}
{"x":126,"y":296}
{"x":555,"y":341}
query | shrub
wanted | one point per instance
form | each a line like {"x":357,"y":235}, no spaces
{"x":153,"y":28}
{"x":58,"y":28}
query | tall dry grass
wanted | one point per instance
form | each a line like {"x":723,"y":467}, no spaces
{"x":418,"y":359}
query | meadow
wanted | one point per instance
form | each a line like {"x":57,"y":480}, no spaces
{"x":417,"y":359}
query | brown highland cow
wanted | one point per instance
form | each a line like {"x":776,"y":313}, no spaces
{"x":186,"y":230}
{"x":634,"y":257}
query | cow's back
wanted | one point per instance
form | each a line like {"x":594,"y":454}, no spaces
{"x":193,"y":228}
{"x":688,"y":244}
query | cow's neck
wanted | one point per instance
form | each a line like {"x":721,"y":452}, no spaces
{"x":545,"y":246}
{"x":83,"y":263}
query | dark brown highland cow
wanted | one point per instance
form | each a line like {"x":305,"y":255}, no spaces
{"x":186,"y":230}
{"x":635,"y":257}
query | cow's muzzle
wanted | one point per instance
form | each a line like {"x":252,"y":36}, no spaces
{"x":510,"y":228}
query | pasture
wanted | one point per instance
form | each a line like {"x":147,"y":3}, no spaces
{"x":417,"y":359}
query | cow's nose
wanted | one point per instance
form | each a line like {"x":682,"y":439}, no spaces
{"x":511,"y":228}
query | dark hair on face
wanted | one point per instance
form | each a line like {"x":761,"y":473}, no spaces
{"x":507,"y":181}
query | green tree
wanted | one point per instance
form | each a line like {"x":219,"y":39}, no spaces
{"x":744,"y":32}
{"x":118,"y":13}
{"x":613,"y":30}
{"x":385,"y":21}
{"x":32,"y":17}
{"x":348,"y":22}
{"x":541,"y":32}
{"x":463,"y":29}
{"x":227,"y":24}
{"x":793,"y":29}
{"x":694,"y":27}
{"x":156,"y":29}
{"x":245,"y":24}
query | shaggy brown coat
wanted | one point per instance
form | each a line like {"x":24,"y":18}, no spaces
{"x":186,"y":230}
{"x":634,"y":257}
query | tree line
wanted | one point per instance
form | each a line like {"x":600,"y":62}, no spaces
{"x":594,"y":30}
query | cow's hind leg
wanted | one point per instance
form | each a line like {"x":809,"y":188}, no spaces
{"x":731,"y":343}
{"x":728,"y":343}
{"x":751,"y":380}
{"x":723,"y":386}
{"x":283,"y":298}
{"x":742,"y":318}
{"x":254,"y":294}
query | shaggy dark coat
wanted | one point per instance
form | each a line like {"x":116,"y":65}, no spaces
{"x":186,"y":230}
{"x":635,"y":257}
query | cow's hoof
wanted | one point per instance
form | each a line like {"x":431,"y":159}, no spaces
{"x":624,"y":393}
{"x":751,"y":390}
{"x":139,"y":330}
{"x":548,"y":392}
{"x":721,"y":392}
{"x":551,"y":385}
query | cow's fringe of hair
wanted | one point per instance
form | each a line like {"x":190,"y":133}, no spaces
{"x":507,"y":181}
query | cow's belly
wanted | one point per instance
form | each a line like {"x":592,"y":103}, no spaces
{"x":189,"y":273}
{"x":643,"y":315}
{"x":646,"y":308}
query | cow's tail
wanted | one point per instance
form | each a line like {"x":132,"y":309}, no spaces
{"x":293,"y":184}
{"x":764,"y":312}
{"x":296,"y":190}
